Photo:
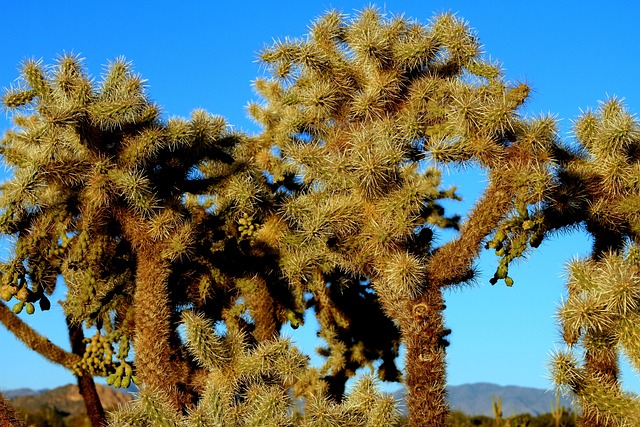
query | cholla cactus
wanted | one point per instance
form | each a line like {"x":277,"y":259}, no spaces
{"x":8,"y":416}
{"x":351,"y":112}
{"x":601,"y":315}
{"x":243,"y":385}
{"x":97,"y":197}
{"x":600,"y":189}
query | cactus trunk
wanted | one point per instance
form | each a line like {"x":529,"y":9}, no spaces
{"x":424,"y":336}
{"x":157,"y":363}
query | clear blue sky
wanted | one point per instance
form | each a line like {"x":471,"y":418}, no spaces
{"x":202,"y":54}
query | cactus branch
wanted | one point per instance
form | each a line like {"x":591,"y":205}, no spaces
{"x":452,"y":263}
{"x":35,"y":341}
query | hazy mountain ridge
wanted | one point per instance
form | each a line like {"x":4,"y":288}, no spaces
{"x":475,"y":399}
{"x":472,"y":399}
{"x":10,"y":394}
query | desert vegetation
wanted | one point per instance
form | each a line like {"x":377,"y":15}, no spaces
{"x":192,"y":244}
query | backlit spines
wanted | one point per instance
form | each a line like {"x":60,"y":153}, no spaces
{"x":254,"y":386}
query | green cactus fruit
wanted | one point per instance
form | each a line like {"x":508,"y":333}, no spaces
{"x":6,"y":294}
{"x":17,"y":308}
{"x":111,"y":378}
{"x":522,"y":210}
{"x":23,"y":294}
{"x":125,"y":382}
{"x":30,"y":308}
{"x":293,"y":319}
{"x":508,"y":281}
{"x":45,"y":304}
{"x":502,"y":271}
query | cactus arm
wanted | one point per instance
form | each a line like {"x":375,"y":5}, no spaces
{"x":35,"y":341}
{"x":451,"y":264}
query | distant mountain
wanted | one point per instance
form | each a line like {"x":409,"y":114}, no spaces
{"x":472,"y":399}
{"x":66,"y":399}
{"x":10,"y":394}
{"x":475,"y":399}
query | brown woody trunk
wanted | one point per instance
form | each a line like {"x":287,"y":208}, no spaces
{"x":263,"y":311}
{"x":424,"y":337}
{"x":422,"y":319}
{"x":158,"y":362}
{"x":86,"y":385}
